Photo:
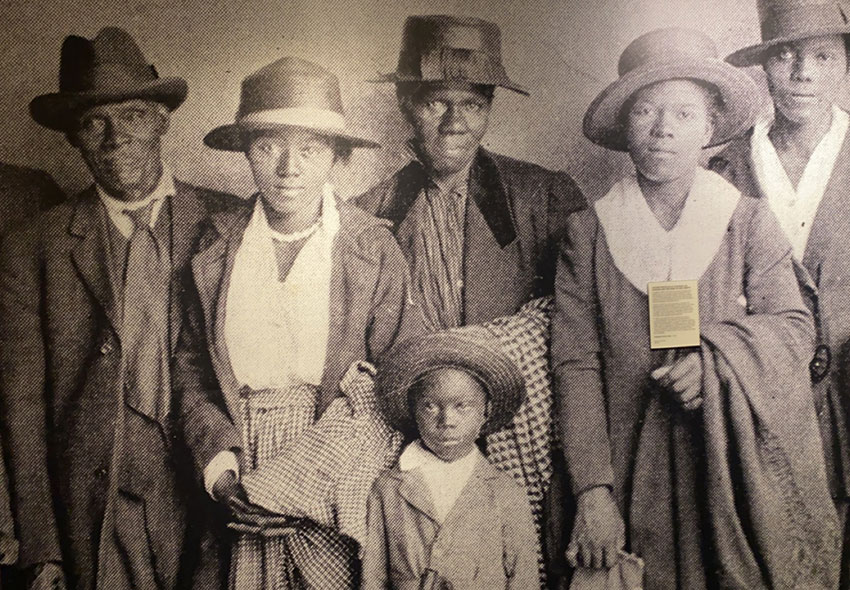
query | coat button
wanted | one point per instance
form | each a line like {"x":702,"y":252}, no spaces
{"x":107,"y":347}
{"x":101,"y":473}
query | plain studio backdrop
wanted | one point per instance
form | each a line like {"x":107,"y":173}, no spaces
{"x":563,"y":51}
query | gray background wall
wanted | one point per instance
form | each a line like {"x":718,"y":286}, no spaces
{"x":564,"y":51}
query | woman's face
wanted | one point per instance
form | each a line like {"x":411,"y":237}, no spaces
{"x":667,"y":126}
{"x":806,"y":76}
{"x":290,"y":167}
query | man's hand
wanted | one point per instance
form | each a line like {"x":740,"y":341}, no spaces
{"x":228,"y":491}
{"x":599,"y":532}
{"x":683,"y":379}
{"x":47,"y":576}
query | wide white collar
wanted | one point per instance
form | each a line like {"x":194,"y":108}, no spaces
{"x":644,"y":251}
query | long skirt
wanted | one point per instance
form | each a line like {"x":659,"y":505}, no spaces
{"x":308,"y":556}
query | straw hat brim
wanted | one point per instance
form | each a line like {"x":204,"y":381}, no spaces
{"x":395,"y":78}
{"x":754,"y":54}
{"x":58,"y":110}
{"x":408,"y":362}
{"x":741,"y":99}
{"x":231,"y":137}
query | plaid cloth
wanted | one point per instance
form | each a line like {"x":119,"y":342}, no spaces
{"x":326,"y":473}
{"x":524,"y":449}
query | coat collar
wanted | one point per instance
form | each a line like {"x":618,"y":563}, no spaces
{"x":486,"y":190}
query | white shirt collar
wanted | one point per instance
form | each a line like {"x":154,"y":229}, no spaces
{"x":796,"y":207}
{"x":644,"y":251}
{"x":444,"y":480}
{"x":116,"y":207}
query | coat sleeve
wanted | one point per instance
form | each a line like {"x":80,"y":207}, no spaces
{"x":23,"y":383}
{"x":576,"y":359}
{"x":520,"y":543}
{"x":563,"y":198}
{"x":395,"y":315}
{"x":374,"y":559}
{"x":770,"y":283}
{"x":205,"y":423}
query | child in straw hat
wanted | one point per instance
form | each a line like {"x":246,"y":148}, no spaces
{"x":444,"y":517}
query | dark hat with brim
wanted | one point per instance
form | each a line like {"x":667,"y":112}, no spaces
{"x":290,"y":93}
{"x":472,"y":350}
{"x":108,"y":68}
{"x":442,"y":48}
{"x":673,"y":54}
{"x":784,"y":21}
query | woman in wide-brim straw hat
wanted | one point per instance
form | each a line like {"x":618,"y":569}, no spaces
{"x":290,"y":291}
{"x":799,"y":162}
{"x":703,"y":461}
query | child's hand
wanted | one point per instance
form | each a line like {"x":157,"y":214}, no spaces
{"x":599,"y":532}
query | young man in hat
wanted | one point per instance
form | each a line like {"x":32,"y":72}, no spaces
{"x":479,"y":230}
{"x":89,"y":316}
{"x":800,"y":163}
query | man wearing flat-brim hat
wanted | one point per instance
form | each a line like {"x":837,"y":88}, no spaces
{"x":479,"y":229}
{"x":89,"y":317}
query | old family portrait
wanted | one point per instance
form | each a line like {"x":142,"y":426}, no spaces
{"x":323,"y":363}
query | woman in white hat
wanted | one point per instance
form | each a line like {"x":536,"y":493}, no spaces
{"x":290,"y":291}
{"x":703,"y":461}
{"x":799,"y":162}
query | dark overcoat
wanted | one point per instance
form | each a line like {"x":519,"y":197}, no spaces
{"x":824,"y":277}
{"x":60,"y":349}
{"x":516,"y":215}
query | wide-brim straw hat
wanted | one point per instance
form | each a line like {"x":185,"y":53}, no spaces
{"x":445,"y":48}
{"x":472,"y":350}
{"x":783,"y":21}
{"x":288,"y":93}
{"x":108,"y":68}
{"x":672,"y":54}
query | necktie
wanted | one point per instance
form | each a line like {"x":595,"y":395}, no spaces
{"x":144,"y":332}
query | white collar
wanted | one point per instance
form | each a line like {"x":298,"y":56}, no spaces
{"x":415,"y":455}
{"x":644,"y":251}
{"x":796,"y":207}
{"x":116,"y":208}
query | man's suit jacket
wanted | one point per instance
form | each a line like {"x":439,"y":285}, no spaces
{"x":516,"y":215}
{"x":23,"y":193}
{"x":824,"y":277}
{"x":60,"y":349}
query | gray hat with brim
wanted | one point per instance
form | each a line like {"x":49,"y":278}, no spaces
{"x":445,"y":48}
{"x":290,"y":93}
{"x":784,"y":21}
{"x":472,"y":350}
{"x":108,"y":68}
{"x":673,"y":54}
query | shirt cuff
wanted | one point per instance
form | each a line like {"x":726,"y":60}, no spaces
{"x":224,"y":461}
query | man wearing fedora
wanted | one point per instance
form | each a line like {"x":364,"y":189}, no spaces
{"x":89,"y":300}
{"x":800,"y":164}
{"x":479,"y":230}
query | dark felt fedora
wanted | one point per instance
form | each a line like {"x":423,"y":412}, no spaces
{"x":289,"y":92}
{"x":471,"y":349}
{"x":108,"y":68}
{"x":672,"y":54}
{"x":791,"y":20}
{"x":438,"y":48}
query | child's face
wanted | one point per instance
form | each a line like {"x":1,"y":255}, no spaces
{"x":450,"y":409}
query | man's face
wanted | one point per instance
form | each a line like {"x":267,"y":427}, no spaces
{"x":805,"y":77}
{"x":667,"y":125}
{"x":290,"y":167}
{"x":450,"y":410}
{"x":449,"y":121}
{"x":121,"y":143}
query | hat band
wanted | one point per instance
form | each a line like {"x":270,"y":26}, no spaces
{"x":803,"y":21}
{"x":309,"y":117}
{"x":452,"y":63}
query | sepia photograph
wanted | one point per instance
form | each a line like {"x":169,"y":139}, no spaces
{"x":443,"y":295}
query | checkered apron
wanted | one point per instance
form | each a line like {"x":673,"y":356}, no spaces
{"x":311,"y":556}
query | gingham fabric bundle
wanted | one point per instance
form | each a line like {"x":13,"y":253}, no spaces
{"x":326,"y":473}
{"x":523,"y":449}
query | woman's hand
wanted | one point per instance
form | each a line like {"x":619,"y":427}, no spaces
{"x":683,"y":379}
{"x":599,"y":532}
